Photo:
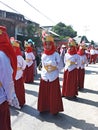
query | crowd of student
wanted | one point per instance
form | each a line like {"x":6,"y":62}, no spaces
{"x":17,"y":69}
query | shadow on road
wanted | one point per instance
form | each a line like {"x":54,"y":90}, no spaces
{"x":85,"y":90}
{"x":86,"y":101}
{"x":91,"y":72}
{"x":67,"y":122}
{"x":61,"y":120}
{"x":31,"y":92}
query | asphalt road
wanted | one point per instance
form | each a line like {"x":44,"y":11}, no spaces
{"x":81,"y":114}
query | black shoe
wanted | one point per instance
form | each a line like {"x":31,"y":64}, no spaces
{"x":72,"y":98}
{"x":80,"y":89}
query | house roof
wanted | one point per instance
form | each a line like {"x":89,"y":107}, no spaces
{"x":78,"y":39}
{"x":54,"y":33}
{"x":49,"y":31}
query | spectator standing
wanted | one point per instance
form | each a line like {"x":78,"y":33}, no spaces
{"x":62,"y":54}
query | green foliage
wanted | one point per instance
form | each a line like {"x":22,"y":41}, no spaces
{"x":31,"y":30}
{"x":64,"y":30}
{"x":84,"y":38}
{"x":92,"y":42}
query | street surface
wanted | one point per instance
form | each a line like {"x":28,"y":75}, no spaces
{"x":81,"y":114}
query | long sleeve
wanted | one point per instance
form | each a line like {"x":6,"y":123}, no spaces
{"x":7,"y":91}
{"x":21,"y":64}
{"x":50,"y":60}
{"x":6,"y":78}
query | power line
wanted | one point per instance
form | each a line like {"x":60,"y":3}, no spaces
{"x":15,"y":10}
{"x":9,"y":6}
{"x":39,"y":11}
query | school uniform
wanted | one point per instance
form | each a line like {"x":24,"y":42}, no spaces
{"x":49,"y":97}
{"x":29,"y":73}
{"x":92,"y":55}
{"x":19,"y":80}
{"x":81,"y":66}
{"x":8,"y":66}
{"x":69,"y":88}
{"x":6,"y":87}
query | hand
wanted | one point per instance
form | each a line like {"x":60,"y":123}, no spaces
{"x":14,"y":102}
{"x":50,"y":68}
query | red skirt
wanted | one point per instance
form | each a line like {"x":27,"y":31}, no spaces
{"x":5,"y":122}
{"x":20,"y":91}
{"x":93,"y":58}
{"x":70,"y":84}
{"x":29,"y":74}
{"x":81,"y":75}
{"x":49,"y":98}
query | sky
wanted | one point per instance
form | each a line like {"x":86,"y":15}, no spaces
{"x":80,"y":14}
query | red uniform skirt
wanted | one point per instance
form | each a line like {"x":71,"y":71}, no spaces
{"x":49,"y":98}
{"x":5,"y":122}
{"x":93,"y":58}
{"x":29,"y":74}
{"x":70,"y":88}
{"x":81,"y":75}
{"x":20,"y":91}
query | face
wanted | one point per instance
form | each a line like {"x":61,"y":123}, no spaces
{"x":30,"y":43}
{"x":71,"y":48}
{"x":48,"y":45}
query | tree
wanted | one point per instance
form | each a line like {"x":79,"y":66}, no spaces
{"x":92,"y":42}
{"x":64,"y":31}
{"x":84,"y":38}
{"x":31,"y":30}
{"x":33,"y":34}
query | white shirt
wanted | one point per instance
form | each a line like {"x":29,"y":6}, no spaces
{"x":92,"y":52}
{"x":6,"y":71}
{"x":53,"y":60}
{"x":30,"y":56}
{"x":82,"y":61}
{"x":87,"y":52}
{"x":72,"y":58}
{"x":21,"y":63}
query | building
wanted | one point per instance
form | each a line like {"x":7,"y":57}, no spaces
{"x":16,"y":24}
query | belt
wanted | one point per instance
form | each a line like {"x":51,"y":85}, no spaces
{"x":19,"y":68}
{"x":0,"y":84}
{"x":50,"y":68}
{"x":28,"y":60}
{"x":68,"y":63}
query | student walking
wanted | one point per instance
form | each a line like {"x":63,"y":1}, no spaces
{"x":71,"y":59}
{"x":29,"y":72}
{"x":8,"y":67}
{"x":81,"y":66}
{"x":49,"y":97}
{"x":19,"y":79}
